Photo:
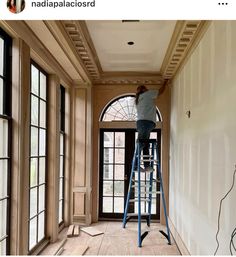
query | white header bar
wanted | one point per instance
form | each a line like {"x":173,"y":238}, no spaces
{"x":119,"y":9}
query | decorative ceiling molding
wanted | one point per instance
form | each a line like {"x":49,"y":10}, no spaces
{"x":75,"y":33}
{"x":186,"y":35}
{"x":131,"y":78}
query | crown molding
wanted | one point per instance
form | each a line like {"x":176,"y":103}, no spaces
{"x":186,"y":36}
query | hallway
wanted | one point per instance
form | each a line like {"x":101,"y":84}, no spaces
{"x":116,"y":241}
{"x":68,"y":119}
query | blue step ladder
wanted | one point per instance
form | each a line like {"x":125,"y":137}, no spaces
{"x":143,"y":189}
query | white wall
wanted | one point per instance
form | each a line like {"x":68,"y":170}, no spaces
{"x":203,"y":147}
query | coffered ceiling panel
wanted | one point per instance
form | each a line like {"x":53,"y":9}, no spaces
{"x":131,"y":46}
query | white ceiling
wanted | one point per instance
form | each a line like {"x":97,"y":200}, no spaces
{"x":151,"y":40}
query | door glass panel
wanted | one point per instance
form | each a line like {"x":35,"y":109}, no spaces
{"x":108,"y":139}
{"x":120,"y":139}
{"x":119,"y":155}
{"x":107,"y":188}
{"x":107,"y":204}
{"x":108,"y":171}
{"x":119,"y":188}
{"x":119,"y":205}
{"x":108,"y":155}
{"x":119,"y":172}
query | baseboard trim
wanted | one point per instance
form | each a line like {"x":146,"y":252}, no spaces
{"x":178,"y":240}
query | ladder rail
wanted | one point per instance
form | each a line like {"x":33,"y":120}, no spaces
{"x":129,"y":189}
{"x":136,"y":162}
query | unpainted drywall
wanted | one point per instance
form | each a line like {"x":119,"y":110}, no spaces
{"x":203,"y":147}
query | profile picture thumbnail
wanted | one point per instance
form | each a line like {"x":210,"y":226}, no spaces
{"x":16,"y":6}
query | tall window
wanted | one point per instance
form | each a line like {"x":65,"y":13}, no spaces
{"x":5,"y":135}
{"x":62,"y":155}
{"x":37,"y":179}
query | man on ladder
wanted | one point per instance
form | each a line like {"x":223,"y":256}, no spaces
{"x":146,"y":122}
{"x":146,"y":110}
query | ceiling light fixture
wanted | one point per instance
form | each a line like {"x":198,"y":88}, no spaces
{"x":130,"y":20}
{"x":130,"y":43}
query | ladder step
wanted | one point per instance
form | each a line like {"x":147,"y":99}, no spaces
{"x":136,"y":200}
{"x":144,"y":171}
{"x":153,"y":192}
{"x":148,"y":160}
{"x":143,"y":186}
{"x":136,"y":214}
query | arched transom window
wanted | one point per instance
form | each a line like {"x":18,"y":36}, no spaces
{"x":122,"y":109}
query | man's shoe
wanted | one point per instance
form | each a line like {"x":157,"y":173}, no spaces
{"x":148,"y":169}
{"x":141,"y":169}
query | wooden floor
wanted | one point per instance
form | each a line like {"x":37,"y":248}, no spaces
{"x":116,"y":241}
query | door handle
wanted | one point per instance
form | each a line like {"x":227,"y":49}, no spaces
{"x":126,"y":177}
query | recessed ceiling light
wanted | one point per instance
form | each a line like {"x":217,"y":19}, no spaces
{"x":130,"y":43}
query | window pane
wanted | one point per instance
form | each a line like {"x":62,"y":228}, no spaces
{"x":41,"y":226}
{"x":3,"y":138}
{"x":108,"y":139}
{"x":61,"y":189}
{"x":33,"y":231}
{"x":61,"y":144}
{"x":119,"y":155}
{"x":34,"y":141}
{"x":3,"y":247}
{"x":1,"y":96}
{"x":107,"y":188}
{"x":61,"y":166}
{"x":4,"y":178}
{"x":119,"y":172}
{"x":60,"y":212}
{"x":107,"y":204}
{"x":42,"y":114}
{"x":107,"y":171}
{"x":34,"y":80}
{"x":41,"y":170}
{"x":108,"y":155}
{"x":42,"y":86}
{"x":119,"y":188}
{"x":3,"y":218}
{"x":118,"y":205}
{"x":42,"y":142}
{"x":33,"y":201}
{"x":33,"y":172}
{"x":1,"y":55}
{"x":120,"y":139}
{"x":34,"y":110}
{"x":41,"y":198}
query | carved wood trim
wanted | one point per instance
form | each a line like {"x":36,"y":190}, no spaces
{"x":185,"y":35}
